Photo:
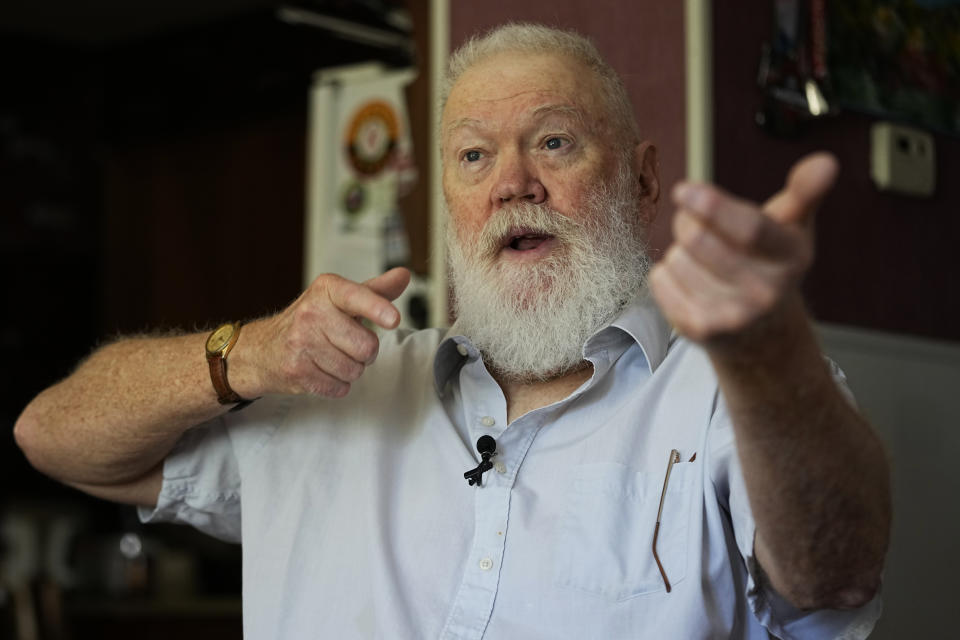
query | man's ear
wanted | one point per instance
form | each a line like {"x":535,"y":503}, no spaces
{"x":647,"y":168}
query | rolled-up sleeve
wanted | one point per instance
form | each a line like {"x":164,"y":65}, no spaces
{"x":771,"y":609}
{"x":201,"y":484}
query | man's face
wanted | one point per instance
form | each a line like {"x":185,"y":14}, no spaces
{"x":523,"y":128}
{"x":546,"y":231}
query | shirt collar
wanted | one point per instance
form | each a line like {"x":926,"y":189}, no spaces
{"x":640,"y":320}
{"x":454,"y":350}
{"x":643,"y":321}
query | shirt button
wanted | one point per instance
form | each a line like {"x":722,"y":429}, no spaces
{"x":486,"y":564}
{"x":500,"y":467}
{"x":487,"y":421}
{"x":462,"y":349}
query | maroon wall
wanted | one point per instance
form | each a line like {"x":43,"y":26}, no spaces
{"x":642,"y":40}
{"x":884,"y":261}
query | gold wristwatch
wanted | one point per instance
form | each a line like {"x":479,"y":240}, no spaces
{"x":219,"y":344}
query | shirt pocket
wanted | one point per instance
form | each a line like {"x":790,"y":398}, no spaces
{"x":604,"y":546}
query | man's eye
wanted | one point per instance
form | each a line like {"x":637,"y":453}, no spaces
{"x":555,"y":143}
{"x":472,"y":156}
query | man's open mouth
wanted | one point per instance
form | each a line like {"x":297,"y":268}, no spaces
{"x":525,"y":240}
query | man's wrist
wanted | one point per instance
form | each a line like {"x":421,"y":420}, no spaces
{"x":773,"y":339}
{"x":218,"y":346}
{"x":243,"y":367}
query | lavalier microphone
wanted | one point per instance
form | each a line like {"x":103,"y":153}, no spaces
{"x":487,"y":448}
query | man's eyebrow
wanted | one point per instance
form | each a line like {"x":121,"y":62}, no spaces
{"x":559,"y":109}
{"x":539,"y":113}
{"x":461,"y":123}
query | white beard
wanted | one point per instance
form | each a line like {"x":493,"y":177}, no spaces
{"x":531,"y":320}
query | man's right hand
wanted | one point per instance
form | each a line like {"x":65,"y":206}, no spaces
{"x":318,"y":344}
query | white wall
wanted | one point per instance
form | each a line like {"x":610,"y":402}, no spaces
{"x":910,"y":390}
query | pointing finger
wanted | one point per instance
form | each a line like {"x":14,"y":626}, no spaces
{"x":390,"y":284}
{"x":359,"y":300}
{"x":737,"y":222}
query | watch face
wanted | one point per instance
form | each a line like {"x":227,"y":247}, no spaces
{"x":219,"y":338}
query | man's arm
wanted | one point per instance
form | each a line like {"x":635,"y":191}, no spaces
{"x":107,"y":427}
{"x":816,"y":474}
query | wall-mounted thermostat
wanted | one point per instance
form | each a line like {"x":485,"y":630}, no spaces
{"x":902,"y":159}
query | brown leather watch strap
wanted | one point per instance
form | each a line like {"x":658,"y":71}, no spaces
{"x":218,"y":375}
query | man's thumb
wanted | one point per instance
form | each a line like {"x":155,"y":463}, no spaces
{"x":390,"y":284}
{"x":809,"y":181}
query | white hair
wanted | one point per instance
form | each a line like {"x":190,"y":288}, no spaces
{"x":531,"y":38}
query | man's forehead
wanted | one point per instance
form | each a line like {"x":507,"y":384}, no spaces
{"x":538,"y":85}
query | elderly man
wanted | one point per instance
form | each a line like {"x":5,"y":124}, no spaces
{"x":633,"y":481}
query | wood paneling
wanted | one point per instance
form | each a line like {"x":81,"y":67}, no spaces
{"x":883,"y":261}
{"x":205,"y":227}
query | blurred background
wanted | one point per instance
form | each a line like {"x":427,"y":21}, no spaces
{"x":175,"y":164}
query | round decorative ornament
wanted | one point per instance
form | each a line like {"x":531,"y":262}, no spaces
{"x":372,"y":137}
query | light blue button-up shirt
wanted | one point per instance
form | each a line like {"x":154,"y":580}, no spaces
{"x":356,"y":521}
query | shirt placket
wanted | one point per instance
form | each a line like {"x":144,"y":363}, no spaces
{"x":475,"y":598}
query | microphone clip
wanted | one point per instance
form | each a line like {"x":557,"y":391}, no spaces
{"x":487,"y":448}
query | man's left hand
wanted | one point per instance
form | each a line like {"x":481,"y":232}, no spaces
{"x":734,"y":264}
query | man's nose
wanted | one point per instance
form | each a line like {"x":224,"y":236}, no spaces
{"x":517,"y":181}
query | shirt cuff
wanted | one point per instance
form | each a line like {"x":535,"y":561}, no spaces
{"x":200,"y":486}
{"x":787,"y":622}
